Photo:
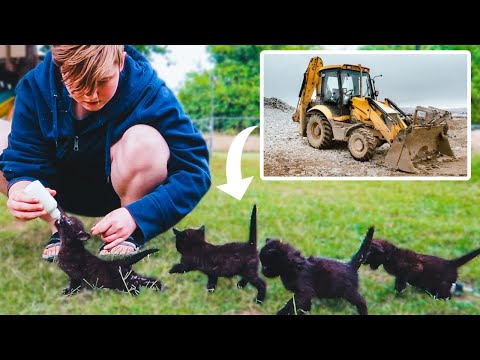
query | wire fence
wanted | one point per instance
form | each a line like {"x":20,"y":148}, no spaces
{"x":234,"y":125}
{"x":223,"y":124}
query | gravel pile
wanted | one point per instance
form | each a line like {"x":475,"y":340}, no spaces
{"x":286,"y":153}
{"x":275,"y":103}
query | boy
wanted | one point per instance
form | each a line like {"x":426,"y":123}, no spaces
{"x":97,"y":126}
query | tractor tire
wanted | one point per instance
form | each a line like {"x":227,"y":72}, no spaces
{"x":319,"y":131}
{"x":362,"y":144}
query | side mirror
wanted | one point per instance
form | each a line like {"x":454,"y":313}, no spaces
{"x":376,"y":93}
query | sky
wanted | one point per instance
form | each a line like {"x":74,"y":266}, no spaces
{"x":409,"y":79}
{"x":182,"y":59}
{"x":186,"y":58}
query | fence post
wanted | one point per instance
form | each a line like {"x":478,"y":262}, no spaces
{"x":212,"y":113}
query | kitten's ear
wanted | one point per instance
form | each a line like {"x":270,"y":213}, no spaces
{"x":83,"y":236}
{"x":202,"y":229}
{"x":267,"y":240}
{"x":176,"y":231}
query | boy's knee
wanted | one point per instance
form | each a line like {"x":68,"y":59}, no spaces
{"x":5,"y":128}
{"x":142,"y":148}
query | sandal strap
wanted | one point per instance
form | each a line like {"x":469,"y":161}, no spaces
{"x":54,"y":240}
{"x":123,"y":243}
{"x":130,"y":243}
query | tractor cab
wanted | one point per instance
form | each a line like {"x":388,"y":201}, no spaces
{"x":341,"y":83}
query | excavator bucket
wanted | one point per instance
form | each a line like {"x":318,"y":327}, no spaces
{"x":417,"y":144}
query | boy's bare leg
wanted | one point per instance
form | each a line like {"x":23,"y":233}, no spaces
{"x":5,"y":127}
{"x":139,"y":165}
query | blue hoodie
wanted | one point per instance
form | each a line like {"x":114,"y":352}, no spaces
{"x":41,"y":119}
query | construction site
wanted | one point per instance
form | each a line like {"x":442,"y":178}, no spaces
{"x":339,"y":107}
{"x":288,"y":154}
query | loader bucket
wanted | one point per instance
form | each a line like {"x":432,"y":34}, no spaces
{"x":412,"y":147}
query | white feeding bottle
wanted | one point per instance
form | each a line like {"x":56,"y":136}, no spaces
{"x":38,"y":191}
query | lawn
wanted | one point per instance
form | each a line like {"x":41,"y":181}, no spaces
{"x":326,"y":218}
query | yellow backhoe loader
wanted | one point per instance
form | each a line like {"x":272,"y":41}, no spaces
{"x":346,"y":108}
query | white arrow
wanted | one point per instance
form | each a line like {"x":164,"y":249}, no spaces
{"x":236,"y":186}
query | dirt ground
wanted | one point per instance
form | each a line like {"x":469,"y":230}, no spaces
{"x":222,"y":142}
{"x":476,"y":141}
{"x":286,"y":153}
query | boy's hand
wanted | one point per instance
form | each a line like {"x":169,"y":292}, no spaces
{"x":23,"y":206}
{"x":115,"y":227}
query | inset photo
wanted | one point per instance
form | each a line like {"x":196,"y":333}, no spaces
{"x":369,"y":115}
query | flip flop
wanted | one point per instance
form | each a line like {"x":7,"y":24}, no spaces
{"x":54,"y":241}
{"x":130,"y":243}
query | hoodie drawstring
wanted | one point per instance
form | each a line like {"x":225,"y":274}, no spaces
{"x":55,"y":119}
{"x":108,"y":165}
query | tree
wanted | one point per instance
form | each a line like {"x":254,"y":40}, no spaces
{"x":475,"y":67}
{"x":235,"y":81}
{"x":149,"y":50}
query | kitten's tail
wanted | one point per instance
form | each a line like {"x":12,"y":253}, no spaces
{"x":361,"y":256}
{"x":465,"y":258}
{"x":128,"y":261}
{"x":252,"y":239}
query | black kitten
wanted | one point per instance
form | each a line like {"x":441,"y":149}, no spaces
{"x":84,"y":268}
{"x":220,"y":261}
{"x":426,"y":272}
{"x":315,"y":276}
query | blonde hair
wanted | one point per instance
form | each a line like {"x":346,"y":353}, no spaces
{"x":83,"y":66}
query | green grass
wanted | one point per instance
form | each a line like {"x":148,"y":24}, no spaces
{"x":326,"y":218}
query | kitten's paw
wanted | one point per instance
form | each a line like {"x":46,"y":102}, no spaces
{"x":210,"y":290}
{"x":242,"y":283}
{"x":69,"y":292}
{"x":258,"y":301}
{"x":176,"y":269}
{"x":160,"y":287}
{"x":132,"y":289}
